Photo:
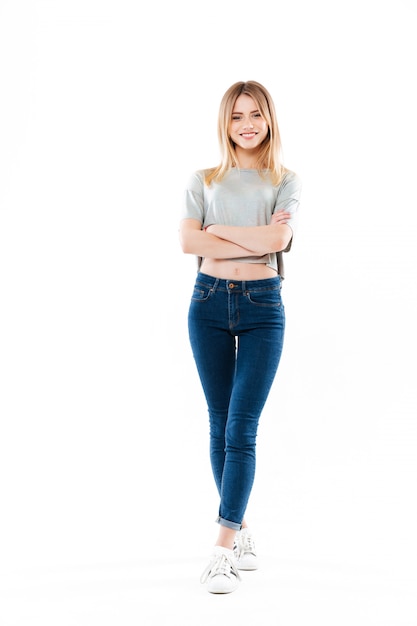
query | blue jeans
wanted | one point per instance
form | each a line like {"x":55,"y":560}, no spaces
{"x":236,"y":331}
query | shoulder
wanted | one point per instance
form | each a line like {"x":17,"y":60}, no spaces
{"x":290,"y":177}
{"x":290,"y":181}
{"x":197,"y":178}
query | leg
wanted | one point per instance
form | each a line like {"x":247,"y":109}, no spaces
{"x":258,"y":355}
{"x":214,"y":351}
{"x":226,"y":537}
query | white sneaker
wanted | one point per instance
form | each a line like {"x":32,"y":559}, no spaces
{"x":244,"y":550}
{"x":221,"y":574}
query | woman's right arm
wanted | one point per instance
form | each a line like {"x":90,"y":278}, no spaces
{"x":195,"y":241}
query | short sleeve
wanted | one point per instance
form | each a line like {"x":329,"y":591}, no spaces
{"x":288,"y":198}
{"x":193,"y":198}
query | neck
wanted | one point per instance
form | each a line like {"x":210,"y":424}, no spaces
{"x":246,"y":159}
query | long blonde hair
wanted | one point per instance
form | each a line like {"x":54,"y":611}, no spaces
{"x":269,"y":157}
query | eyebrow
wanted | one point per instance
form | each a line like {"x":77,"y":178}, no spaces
{"x":240,"y":112}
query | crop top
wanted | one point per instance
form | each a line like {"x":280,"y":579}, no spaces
{"x":243,"y":198}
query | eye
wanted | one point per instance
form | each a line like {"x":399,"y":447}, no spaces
{"x":257,"y":115}
{"x":236,"y":117}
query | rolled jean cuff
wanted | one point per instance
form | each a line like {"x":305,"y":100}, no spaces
{"x":228,"y":524}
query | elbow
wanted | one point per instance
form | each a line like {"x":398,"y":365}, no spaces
{"x":185,"y":245}
{"x":284,"y":240}
{"x":186,"y":249}
{"x":280,"y":238}
{"x":284,"y":244}
{"x":279,"y":244}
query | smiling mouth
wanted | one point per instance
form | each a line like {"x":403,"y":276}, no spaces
{"x":248,"y":135}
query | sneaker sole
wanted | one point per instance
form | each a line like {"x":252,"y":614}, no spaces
{"x":248,"y":563}
{"x":221,"y":586}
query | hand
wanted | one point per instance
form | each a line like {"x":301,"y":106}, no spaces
{"x":280,"y":217}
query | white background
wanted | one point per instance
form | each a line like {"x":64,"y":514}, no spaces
{"x":107,"y":501}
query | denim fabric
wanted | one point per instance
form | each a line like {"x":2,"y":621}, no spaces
{"x":236,"y":331}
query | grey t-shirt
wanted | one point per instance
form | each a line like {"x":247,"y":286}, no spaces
{"x":243,"y":198}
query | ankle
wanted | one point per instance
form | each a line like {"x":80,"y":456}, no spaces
{"x":225,"y":545}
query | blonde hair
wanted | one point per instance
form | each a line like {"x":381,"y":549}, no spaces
{"x":269,"y":157}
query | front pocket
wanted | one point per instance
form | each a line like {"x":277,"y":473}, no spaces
{"x":265,"y":297}
{"x":201,"y":293}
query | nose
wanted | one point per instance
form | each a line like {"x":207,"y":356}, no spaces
{"x":248,"y":123}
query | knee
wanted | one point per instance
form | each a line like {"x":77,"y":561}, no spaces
{"x":241,"y":434}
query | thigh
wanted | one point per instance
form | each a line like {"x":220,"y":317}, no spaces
{"x":258,"y":356}
{"x":260,"y":345}
{"x":213,"y":347}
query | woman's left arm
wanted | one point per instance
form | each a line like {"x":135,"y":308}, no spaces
{"x":259,"y":239}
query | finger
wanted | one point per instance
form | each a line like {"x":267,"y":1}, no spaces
{"x":279,"y":218}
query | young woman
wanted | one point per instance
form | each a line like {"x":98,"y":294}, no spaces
{"x":238,"y":218}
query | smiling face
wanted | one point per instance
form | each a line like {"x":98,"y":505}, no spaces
{"x":248,"y":128}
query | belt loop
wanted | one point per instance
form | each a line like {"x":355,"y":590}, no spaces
{"x":215,"y":285}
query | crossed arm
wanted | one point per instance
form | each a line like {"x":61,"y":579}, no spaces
{"x":228,"y":242}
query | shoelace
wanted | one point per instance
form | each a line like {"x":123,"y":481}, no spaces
{"x":245,"y":544}
{"x":221,"y":564}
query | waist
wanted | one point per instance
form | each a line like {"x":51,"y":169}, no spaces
{"x":230,"y":269}
{"x":225,"y":284}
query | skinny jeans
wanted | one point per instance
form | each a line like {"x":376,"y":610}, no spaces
{"x":236,"y":331}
